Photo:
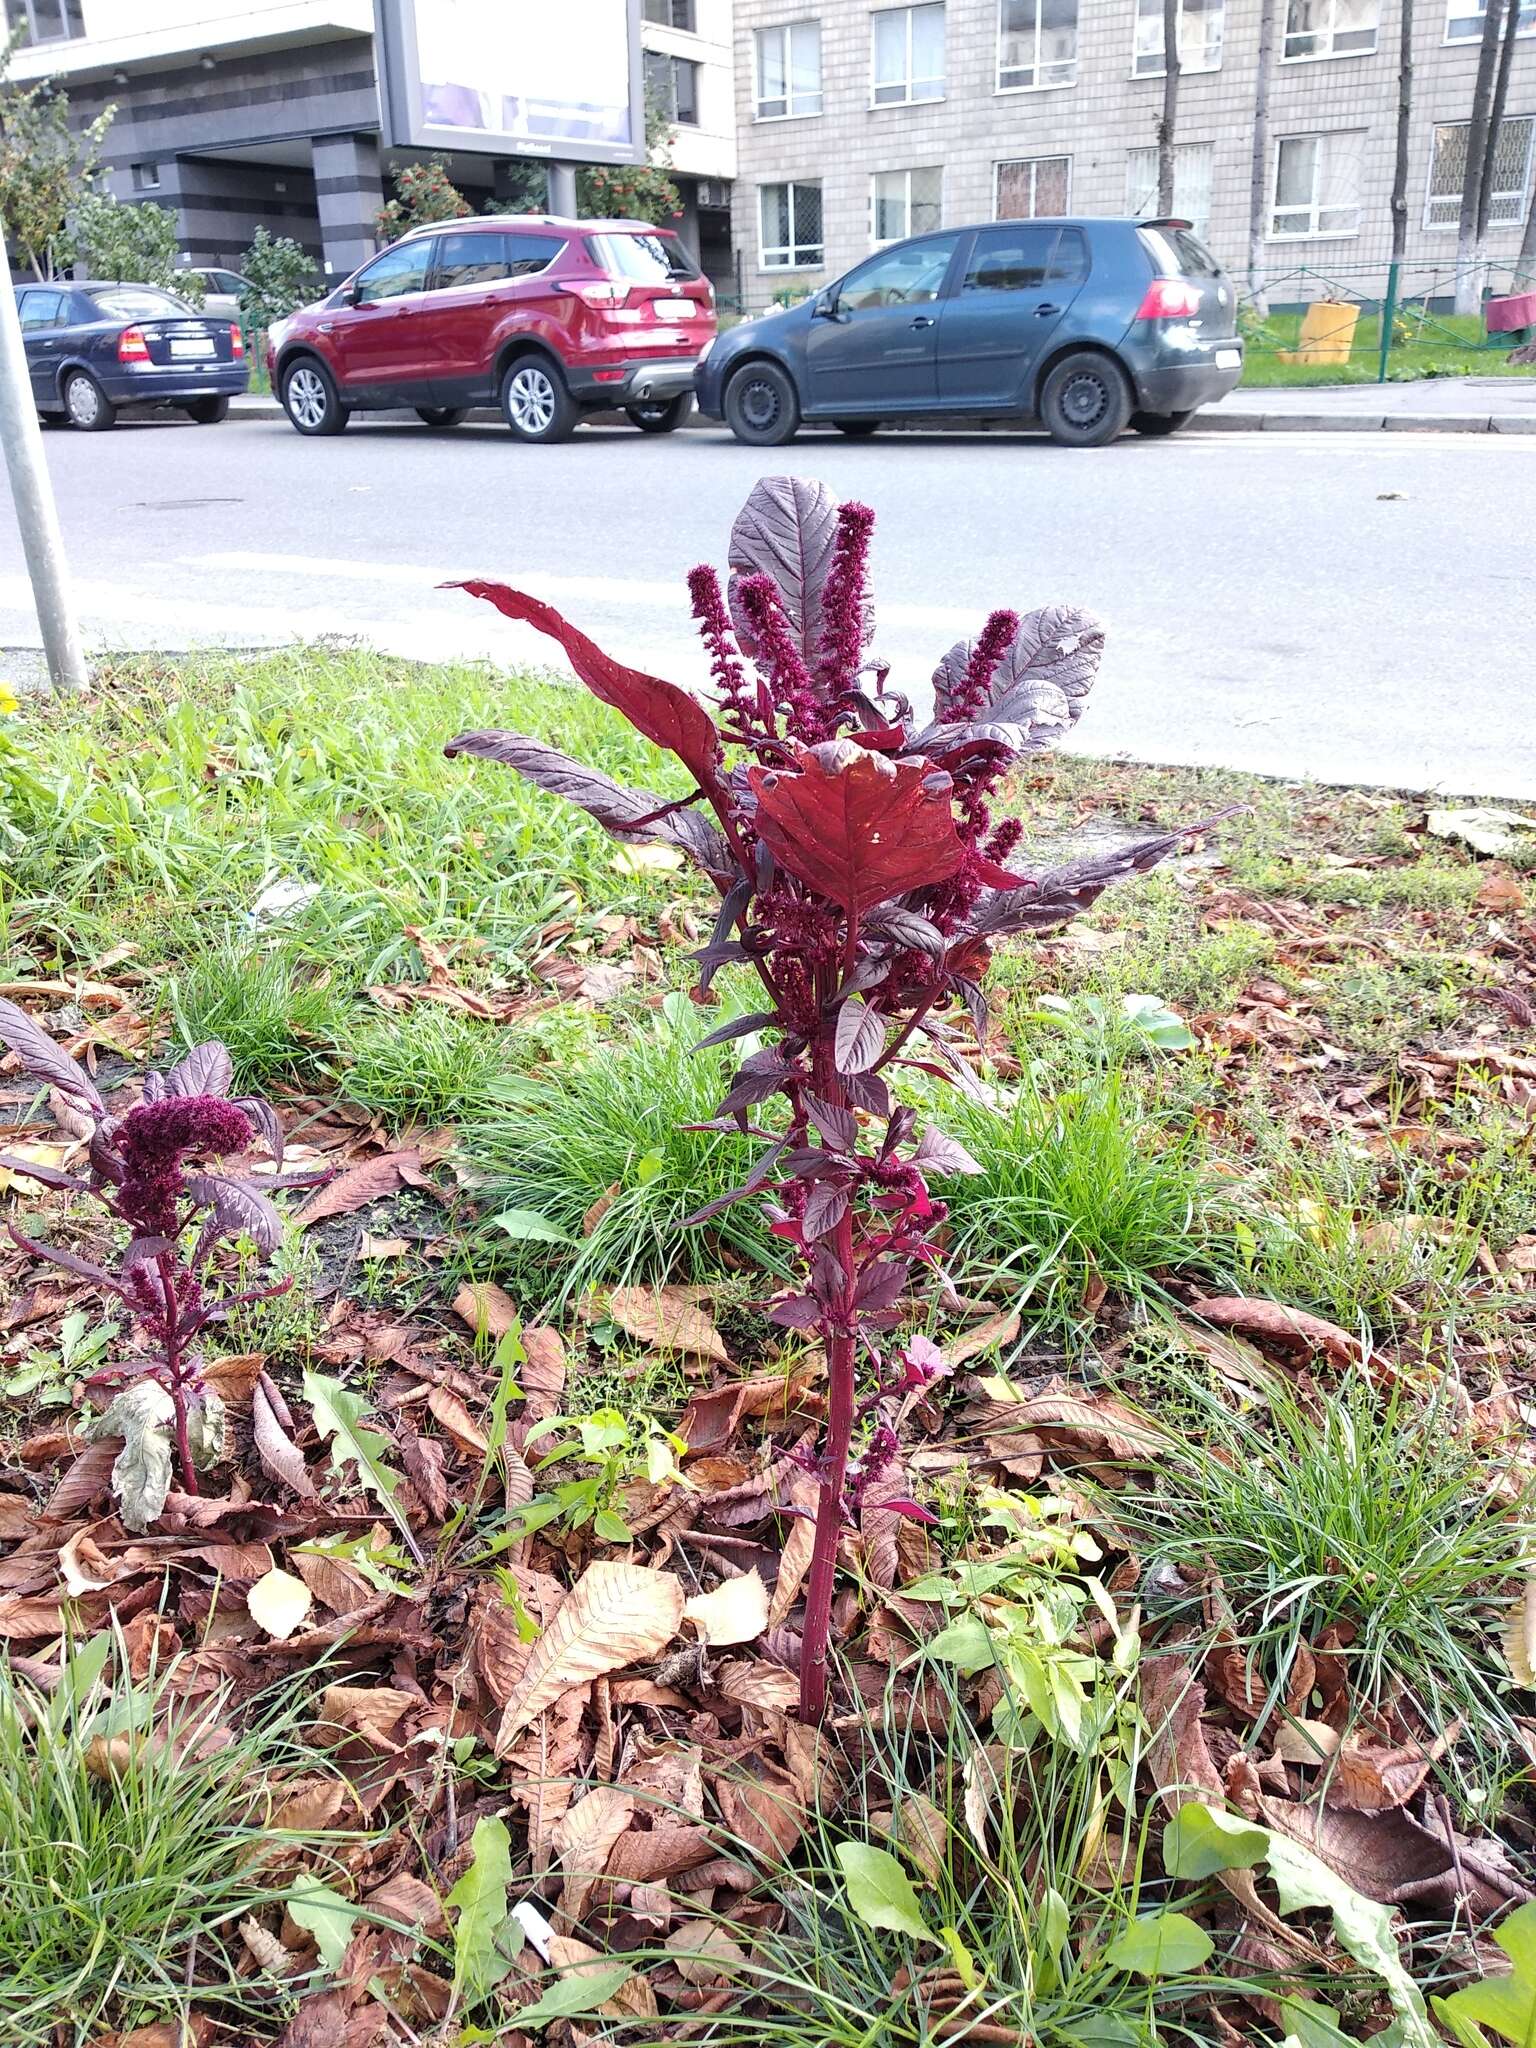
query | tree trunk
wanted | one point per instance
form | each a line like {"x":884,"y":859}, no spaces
{"x":1468,"y":281}
{"x":1404,"y":117}
{"x":1496,"y":117}
{"x":1525,"y":262}
{"x":1258,"y":183}
{"x":1169,"y":121}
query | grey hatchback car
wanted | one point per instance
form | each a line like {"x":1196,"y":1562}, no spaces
{"x":1088,"y":326}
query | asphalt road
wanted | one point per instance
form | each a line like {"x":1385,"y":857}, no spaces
{"x":1345,"y":607}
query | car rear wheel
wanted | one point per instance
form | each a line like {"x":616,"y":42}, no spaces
{"x":442,"y":415}
{"x":857,"y":428}
{"x":1161,"y":422}
{"x":661,"y":415}
{"x":207,"y":412}
{"x":762,"y":406}
{"x":1085,"y":401}
{"x":311,"y":400}
{"x":87,"y":405}
{"x":535,"y":402}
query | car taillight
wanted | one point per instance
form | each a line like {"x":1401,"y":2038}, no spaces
{"x":603,"y":295}
{"x":131,"y":346}
{"x":1169,"y":298}
{"x":236,"y":343}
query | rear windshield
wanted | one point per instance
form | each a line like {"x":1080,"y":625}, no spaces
{"x":643,"y":259}
{"x":1179,"y":252}
{"x":139,"y":302}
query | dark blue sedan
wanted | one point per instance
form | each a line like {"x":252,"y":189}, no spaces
{"x":1088,"y":326}
{"x":92,"y":348}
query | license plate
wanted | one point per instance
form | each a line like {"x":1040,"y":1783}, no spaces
{"x":675,"y":309}
{"x":194,"y":345}
{"x":1229,"y":359}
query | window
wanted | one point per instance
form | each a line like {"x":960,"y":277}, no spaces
{"x":790,"y":221}
{"x":1191,"y":182}
{"x":395,"y":273}
{"x":45,"y":21}
{"x":480,"y":258}
{"x":1331,"y":28}
{"x":908,"y":59}
{"x":912,"y":275}
{"x":1511,"y":174}
{"x":1317,"y":184}
{"x":903,"y":203}
{"x":1036,"y":44}
{"x":1178,"y":252}
{"x":1200,"y":27}
{"x":647,"y":259}
{"x":789,"y":71}
{"x":672,"y":84}
{"x":1464,"y":20}
{"x":146,"y":177}
{"x":40,"y":309}
{"x":1034,"y":187}
{"x":670,"y":13}
{"x":138,"y":302}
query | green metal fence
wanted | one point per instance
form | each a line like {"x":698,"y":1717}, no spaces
{"x":1404,"y":324}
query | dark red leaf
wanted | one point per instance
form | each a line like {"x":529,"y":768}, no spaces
{"x":860,"y":1037}
{"x":857,"y":827}
{"x":787,"y":531}
{"x":666,"y":715}
{"x":47,"y":1062}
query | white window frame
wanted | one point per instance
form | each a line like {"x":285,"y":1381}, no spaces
{"x":909,"y":98}
{"x":1185,"y":70}
{"x":1311,"y":233}
{"x":908,"y":173}
{"x":1522,"y":199}
{"x":1330,"y":55}
{"x":785,"y":31}
{"x":1052,"y":85}
{"x":1056,"y":156}
{"x":1198,"y":219}
{"x":1475,"y":15}
{"x":794,"y":260}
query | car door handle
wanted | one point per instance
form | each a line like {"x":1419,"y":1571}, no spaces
{"x":923,"y":320}
{"x":1041,"y":312}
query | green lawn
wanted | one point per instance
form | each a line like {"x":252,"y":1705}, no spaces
{"x":1439,"y":345}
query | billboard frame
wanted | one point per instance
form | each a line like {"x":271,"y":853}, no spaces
{"x":403,"y":125}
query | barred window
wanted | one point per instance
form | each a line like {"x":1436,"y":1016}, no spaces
{"x":1033,"y":187}
{"x":1511,"y":173}
{"x":903,"y":203}
{"x":790,"y":221}
{"x":1317,"y":185}
{"x":1192,"y":165}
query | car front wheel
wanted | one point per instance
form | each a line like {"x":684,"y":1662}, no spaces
{"x":442,"y":415}
{"x":311,"y":400}
{"x":535,"y":402}
{"x":762,"y":406}
{"x":207,"y":412}
{"x":661,"y":416}
{"x":1156,"y":423}
{"x":1085,"y":401}
{"x":86,"y":404}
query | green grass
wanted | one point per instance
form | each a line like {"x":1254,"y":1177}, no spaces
{"x":281,"y":1014}
{"x":615,"y":1129}
{"x":120,"y":1896}
{"x":1091,"y":1183}
{"x":429,"y":1066}
{"x":1369,"y":1513}
{"x":1443,"y":345}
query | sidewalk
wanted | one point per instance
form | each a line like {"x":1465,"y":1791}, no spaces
{"x":1432,"y":405}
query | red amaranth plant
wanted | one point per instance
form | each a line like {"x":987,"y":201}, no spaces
{"x":180,"y":1218}
{"x":864,"y":880}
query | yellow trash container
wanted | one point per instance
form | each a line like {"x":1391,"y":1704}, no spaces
{"x":1327,"y":333}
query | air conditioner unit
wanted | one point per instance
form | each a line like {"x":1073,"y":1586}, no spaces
{"x":714,"y":192}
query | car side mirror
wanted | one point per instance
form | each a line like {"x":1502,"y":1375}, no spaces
{"x":354,"y":295}
{"x":825,"y":307}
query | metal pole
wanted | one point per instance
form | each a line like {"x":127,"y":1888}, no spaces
{"x":32,"y":494}
{"x":562,"y":190}
{"x":1388,"y":315}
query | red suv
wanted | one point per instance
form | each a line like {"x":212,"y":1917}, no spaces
{"x":551,"y":318}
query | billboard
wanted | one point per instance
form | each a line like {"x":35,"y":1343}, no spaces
{"x":513,"y":78}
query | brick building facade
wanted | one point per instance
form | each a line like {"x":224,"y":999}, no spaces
{"x":859,"y":123}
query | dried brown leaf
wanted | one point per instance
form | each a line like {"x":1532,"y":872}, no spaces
{"x":1273,"y":1322}
{"x":583,"y":1839}
{"x":735,"y":1612}
{"x":359,"y":1186}
{"x":616,"y":1615}
{"x":667,"y":1319}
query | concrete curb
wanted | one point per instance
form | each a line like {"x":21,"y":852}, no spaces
{"x":1203,"y":422}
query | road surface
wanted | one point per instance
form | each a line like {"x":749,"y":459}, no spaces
{"x":1344,"y":607}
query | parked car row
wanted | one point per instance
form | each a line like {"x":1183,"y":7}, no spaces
{"x":1089,"y":326}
